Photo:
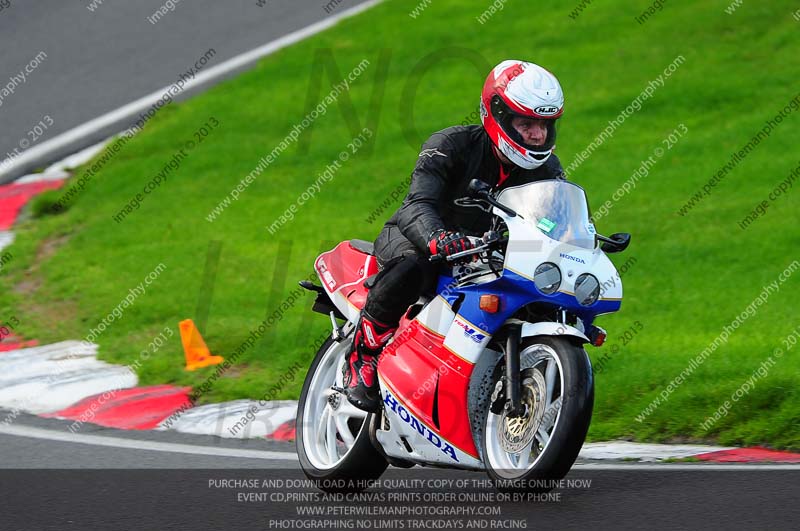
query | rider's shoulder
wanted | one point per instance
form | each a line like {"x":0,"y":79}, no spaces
{"x":457,"y":135}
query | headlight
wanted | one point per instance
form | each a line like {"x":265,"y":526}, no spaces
{"x":547,"y":278}
{"x":587,"y":289}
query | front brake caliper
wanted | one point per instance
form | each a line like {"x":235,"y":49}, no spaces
{"x":498,"y":401}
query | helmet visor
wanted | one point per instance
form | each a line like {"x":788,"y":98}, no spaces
{"x":504,"y":116}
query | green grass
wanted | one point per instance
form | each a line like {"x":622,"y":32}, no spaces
{"x":680,"y":460}
{"x":693,"y":274}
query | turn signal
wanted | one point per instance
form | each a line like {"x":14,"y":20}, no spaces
{"x":599,"y":337}
{"x":490,"y":303}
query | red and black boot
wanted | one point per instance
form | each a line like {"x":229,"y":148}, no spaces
{"x":360,"y":378}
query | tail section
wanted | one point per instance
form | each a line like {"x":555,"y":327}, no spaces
{"x":343,"y":271}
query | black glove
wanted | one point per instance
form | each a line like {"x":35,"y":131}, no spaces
{"x":446,"y":243}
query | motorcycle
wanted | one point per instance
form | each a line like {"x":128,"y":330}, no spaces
{"x":491,"y":372}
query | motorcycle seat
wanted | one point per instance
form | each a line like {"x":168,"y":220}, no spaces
{"x":363,"y":246}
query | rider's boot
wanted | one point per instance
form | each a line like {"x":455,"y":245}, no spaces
{"x":361,"y":379}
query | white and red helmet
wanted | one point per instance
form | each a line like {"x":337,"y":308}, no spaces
{"x":519,"y":88}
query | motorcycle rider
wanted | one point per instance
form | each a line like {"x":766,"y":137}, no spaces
{"x":519,"y":107}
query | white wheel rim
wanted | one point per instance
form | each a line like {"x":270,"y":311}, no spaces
{"x":510,"y":465}
{"x":330,"y":423}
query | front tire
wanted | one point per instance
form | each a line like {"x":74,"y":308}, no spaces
{"x":333,"y":441}
{"x":531,"y":452}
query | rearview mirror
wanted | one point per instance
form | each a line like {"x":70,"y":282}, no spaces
{"x":616,"y":243}
{"x":478,"y":189}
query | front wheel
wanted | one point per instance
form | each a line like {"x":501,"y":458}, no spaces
{"x":333,"y":441}
{"x":557,"y":391}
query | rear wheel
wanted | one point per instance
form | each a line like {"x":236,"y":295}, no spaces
{"x":557,"y":392}
{"x":333,"y":441}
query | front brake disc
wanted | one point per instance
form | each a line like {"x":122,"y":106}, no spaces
{"x":517,"y":432}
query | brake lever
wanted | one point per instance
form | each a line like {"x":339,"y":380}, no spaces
{"x":487,"y":197}
{"x":473,"y":203}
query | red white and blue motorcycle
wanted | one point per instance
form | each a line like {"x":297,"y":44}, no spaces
{"x":491,"y":373}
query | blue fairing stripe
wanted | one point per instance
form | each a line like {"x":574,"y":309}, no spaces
{"x":516,"y":291}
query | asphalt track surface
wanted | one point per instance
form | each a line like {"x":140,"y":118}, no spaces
{"x":99,"y":61}
{"x":54,"y":484}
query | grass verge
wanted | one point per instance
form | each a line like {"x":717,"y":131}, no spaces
{"x":693,"y":274}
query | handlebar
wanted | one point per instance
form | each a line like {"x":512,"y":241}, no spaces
{"x":492,"y":239}
{"x":479,"y":191}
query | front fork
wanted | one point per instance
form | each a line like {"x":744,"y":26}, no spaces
{"x":513,"y":405}
{"x":506,"y":393}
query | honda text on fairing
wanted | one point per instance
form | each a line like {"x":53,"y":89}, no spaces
{"x":491,"y":373}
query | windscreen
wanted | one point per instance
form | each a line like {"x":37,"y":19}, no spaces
{"x":557,"y":208}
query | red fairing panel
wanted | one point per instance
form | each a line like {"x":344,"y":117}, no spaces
{"x":409,"y":366}
{"x":344,"y":269}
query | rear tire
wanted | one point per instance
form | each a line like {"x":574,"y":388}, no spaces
{"x":531,"y":452}
{"x":333,"y":441}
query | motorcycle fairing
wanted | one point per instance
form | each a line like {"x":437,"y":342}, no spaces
{"x":428,"y":381}
{"x":437,"y":315}
{"x":433,"y":352}
{"x":528,"y":247}
{"x":412,"y":437}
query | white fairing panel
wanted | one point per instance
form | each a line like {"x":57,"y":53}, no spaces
{"x":348,"y":310}
{"x":425,"y":445}
{"x":437,"y":316}
{"x":547,"y":328}
{"x":467,"y":339}
{"x":528,"y":247}
{"x":462,"y":337}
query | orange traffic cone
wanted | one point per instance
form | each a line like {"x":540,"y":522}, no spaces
{"x":197,"y":353}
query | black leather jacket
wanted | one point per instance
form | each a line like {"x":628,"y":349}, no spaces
{"x":449,"y":160}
